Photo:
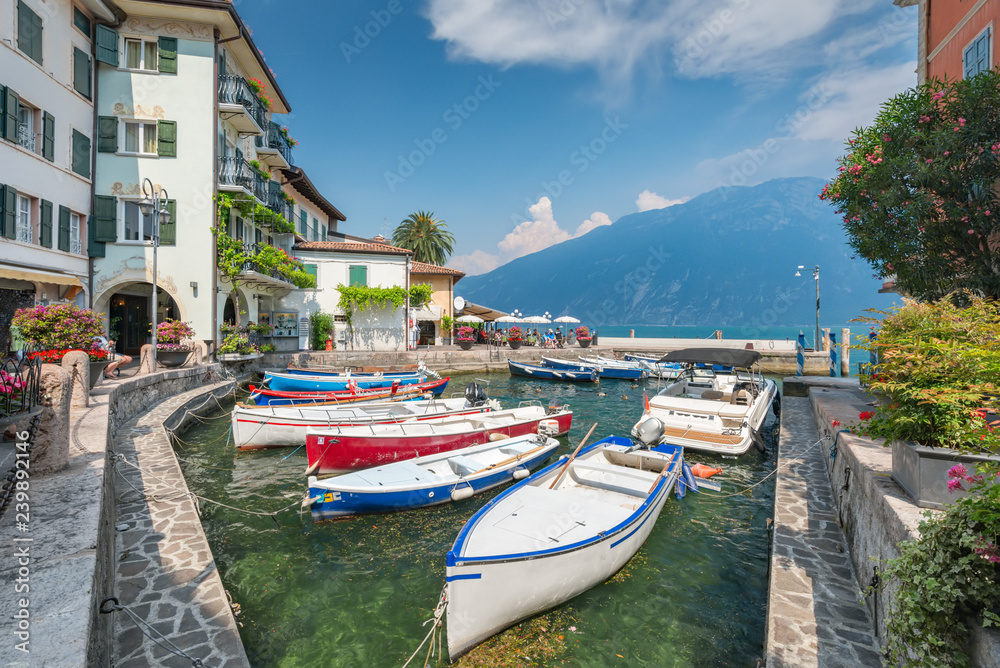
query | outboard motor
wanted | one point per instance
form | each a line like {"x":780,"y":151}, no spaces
{"x":475,"y":395}
{"x":650,"y":431}
{"x":555,"y":406}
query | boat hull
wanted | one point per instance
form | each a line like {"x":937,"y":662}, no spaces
{"x":290,"y":382}
{"x":263,"y":396}
{"x":619,"y":373}
{"x":350,"y":450}
{"x":545,"y":373}
{"x":487,"y":595}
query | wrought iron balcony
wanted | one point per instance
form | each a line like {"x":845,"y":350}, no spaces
{"x":23,"y":231}
{"x":75,"y":247}
{"x":257,"y":275}
{"x":235,"y":92}
{"x":274,"y":147}
{"x":235,"y":172}
{"x":25,"y":137}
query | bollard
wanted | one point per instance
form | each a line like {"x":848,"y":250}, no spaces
{"x":77,"y":365}
{"x":826,"y":339}
{"x":800,"y":354}
{"x":845,"y":352}
{"x":51,"y":448}
{"x":146,"y":363}
{"x":831,"y":344}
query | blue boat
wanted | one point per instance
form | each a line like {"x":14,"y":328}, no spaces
{"x":290,"y":382}
{"x":548,"y":373}
{"x":430,"y":480}
{"x":603,"y":371}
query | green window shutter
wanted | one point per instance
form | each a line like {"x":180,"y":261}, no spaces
{"x":11,"y":101}
{"x":81,"y":72}
{"x":63,"y":229}
{"x":168,"y":231}
{"x":48,"y":136}
{"x":105,"y":218}
{"x":359,"y":275}
{"x":9,"y":212}
{"x":167,"y":48}
{"x":166,"y":139}
{"x":29,"y":32}
{"x":94,"y":248}
{"x":315,"y":229}
{"x":310,"y":269}
{"x":81,"y":154}
{"x":107,"y":46}
{"x":45,"y":228}
{"x":222,"y":61}
{"x":107,"y":134}
{"x":303,"y":222}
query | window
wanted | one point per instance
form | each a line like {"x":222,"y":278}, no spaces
{"x":81,"y":72}
{"x":81,"y":22}
{"x":81,"y":154}
{"x":29,"y":32}
{"x":311,"y":270}
{"x":140,"y":54}
{"x":359,"y":275}
{"x":75,"y":246}
{"x":137,"y":226}
{"x":323,"y":235}
{"x":315,"y":229}
{"x":26,"y":127}
{"x":139,"y":137}
{"x":976,"y":57}
{"x":23,"y":224}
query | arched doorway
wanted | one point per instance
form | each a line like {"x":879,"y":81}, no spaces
{"x":229,"y":311}
{"x":130,"y":317}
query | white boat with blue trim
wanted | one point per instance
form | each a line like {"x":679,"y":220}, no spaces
{"x":553,"y":536}
{"x":431,"y":480}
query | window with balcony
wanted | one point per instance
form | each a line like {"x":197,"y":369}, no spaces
{"x":23,"y":223}
{"x":139,"y":137}
{"x":140,"y":54}
{"x":26,"y":126}
{"x":137,"y":226}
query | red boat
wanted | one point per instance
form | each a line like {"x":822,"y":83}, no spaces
{"x":262,"y":396}
{"x":333,"y":451}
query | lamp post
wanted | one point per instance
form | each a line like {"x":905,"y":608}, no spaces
{"x":154,"y":205}
{"x":798,"y":273}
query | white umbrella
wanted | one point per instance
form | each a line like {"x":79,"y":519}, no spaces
{"x":508,"y":318}
{"x":566,"y":318}
{"x":469,"y":318}
{"x":537,"y":319}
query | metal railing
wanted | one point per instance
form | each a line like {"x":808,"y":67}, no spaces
{"x":23,"y":231}
{"x":252,"y":265}
{"x":20,"y":385}
{"x":25,"y":137}
{"x":234,"y":89}
{"x":75,"y":247}
{"x":235,"y":171}
{"x":273,"y":138}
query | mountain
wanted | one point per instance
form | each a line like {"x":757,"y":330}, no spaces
{"x":725,"y":258}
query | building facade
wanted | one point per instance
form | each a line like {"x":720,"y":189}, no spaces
{"x":46,"y":157}
{"x":428,"y":318}
{"x":954,"y":39}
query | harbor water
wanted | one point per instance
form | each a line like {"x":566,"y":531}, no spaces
{"x":357,"y":591}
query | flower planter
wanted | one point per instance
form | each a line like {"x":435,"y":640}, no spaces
{"x":465,"y":345}
{"x":96,"y":371}
{"x":923,"y":472}
{"x":238,"y":357}
{"x":584,"y":343}
{"x":515,"y":345}
{"x":172,"y":358}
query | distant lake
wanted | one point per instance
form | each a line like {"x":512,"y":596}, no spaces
{"x":776,"y":332}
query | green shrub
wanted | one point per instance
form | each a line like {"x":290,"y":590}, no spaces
{"x":321,"y":326}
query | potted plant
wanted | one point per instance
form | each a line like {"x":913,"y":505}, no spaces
{"x":515,"y":337}
{"x":173,"y":342}
{"x":935,"y":381}
{"x":56,"y":329}
{"x":446,"y":324}
{"x":466,"y":337}
{"x":583,"y":336}
{"x":237,"y":348}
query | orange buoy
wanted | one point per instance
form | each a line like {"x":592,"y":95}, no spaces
{"x":702,"y":471}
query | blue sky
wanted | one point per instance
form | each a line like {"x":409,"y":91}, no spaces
{"x":523,"y":123}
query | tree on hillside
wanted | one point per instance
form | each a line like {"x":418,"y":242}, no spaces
{"x":426,"y":236}
{"x":918,"y":190}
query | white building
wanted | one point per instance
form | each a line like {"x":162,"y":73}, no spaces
{"x":186,"y":100}
{"x":46,"y":161}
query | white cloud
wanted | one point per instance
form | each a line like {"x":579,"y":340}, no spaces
{"x":529,"y":237}
{"x":649,"y":200}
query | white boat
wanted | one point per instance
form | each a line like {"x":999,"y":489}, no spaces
{"x":656,"y":369}
{"x":532,"y":547}
{"x":717,"y":404}
{"x":256,"y":427}
{"x":431,"y":480}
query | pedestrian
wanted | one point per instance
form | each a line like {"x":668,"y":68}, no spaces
{"x":117,"y":361}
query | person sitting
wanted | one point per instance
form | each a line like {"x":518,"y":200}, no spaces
{"x":112,"y":369}
{"x":550,"y":339}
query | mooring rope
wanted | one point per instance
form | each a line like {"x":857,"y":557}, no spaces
{"x":797,"y":458}
{"x":435,"y":626}
{"x":142,"y":624}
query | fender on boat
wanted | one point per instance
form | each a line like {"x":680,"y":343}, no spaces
{"x":703,"y":471}
{"x":689,"y":480}
{"x":679,"y":488}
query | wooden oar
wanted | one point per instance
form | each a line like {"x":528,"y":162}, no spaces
{"x":570,"y":460}
{"x":509,"y":460}
{"x":663,"y":473}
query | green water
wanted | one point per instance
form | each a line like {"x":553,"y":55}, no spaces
{"x":355,"y":592}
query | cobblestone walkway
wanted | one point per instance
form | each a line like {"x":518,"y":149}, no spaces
{"x":814,"y":614}
{"x":165,"y":570}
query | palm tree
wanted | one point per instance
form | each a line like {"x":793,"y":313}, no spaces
{"x":427,"y":237}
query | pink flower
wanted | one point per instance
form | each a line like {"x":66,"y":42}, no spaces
{"x":957,"y":471}
{"x":938,"y":95}
{"x":972,"y":231}
{"x":955,"y":484}
{"x":961,"y":121}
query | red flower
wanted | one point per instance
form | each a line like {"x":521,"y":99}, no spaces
{"x":867,"y":415}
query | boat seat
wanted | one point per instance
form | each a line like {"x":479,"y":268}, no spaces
{"x":714,"y":395}
{"x":734,"y":411}
{"x":518,"y":448}
{"x":668,"y":403}
{"x":463,"y":465}
{"x":614,"y":478}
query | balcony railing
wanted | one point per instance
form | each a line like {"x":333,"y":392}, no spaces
{"x":25,"y":137}
{"x":23,"y":231}
{"x":234,"y":89}
{"x":235,"y":171}
{"x":273,"y":139}
{"x":251,"y":265}
{"x":75,"y":247}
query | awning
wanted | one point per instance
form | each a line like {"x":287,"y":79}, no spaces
{"x":485,"y":312}
{"x":426,"y":312}
{"x":40,"y":276}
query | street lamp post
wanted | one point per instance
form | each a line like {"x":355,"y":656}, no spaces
{"x":154,"y":205}
{"x":816,"y":277}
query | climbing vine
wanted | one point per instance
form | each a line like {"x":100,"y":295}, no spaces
{"x":361,"y":297}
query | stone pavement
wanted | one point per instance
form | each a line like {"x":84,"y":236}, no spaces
{"x":165,"y":570}
{"x":815,"y":617}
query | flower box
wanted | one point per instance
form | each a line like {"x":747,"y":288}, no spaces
{"x":922,"y":471}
